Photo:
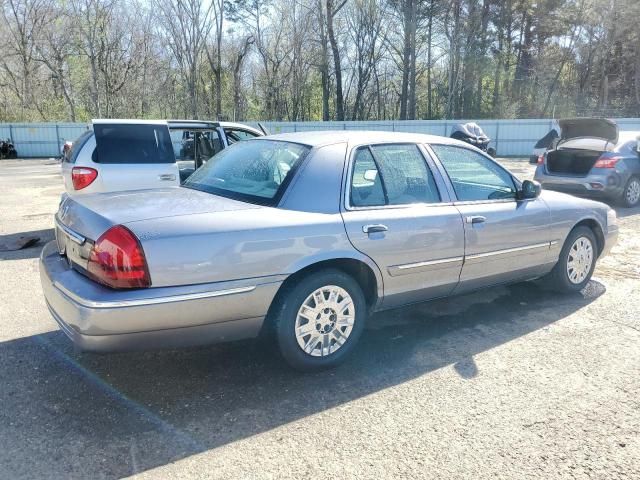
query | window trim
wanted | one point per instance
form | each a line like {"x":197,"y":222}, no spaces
{"x":452,"y":191}
{"x":351,"y":166}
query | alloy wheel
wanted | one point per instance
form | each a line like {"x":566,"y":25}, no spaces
{"x":324,"y":321}
{"x":633,"y":192}
{"x":580,"y":260}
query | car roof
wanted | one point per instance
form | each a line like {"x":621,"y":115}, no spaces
{"x":358,"y":137}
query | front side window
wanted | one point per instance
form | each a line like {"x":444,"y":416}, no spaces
{"x":475,"y":177}
{"x":255,"y":171}
{"x":391,"y":175}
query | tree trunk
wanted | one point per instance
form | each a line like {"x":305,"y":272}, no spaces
{"x":331,"y":12}
{"x":411,"y":100}
{"x":406,"y":58}
{"x":429,"y":53}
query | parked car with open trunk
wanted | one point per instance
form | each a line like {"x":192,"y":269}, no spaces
{"x":592,"y":158}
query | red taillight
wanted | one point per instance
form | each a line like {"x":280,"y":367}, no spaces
{"x":541,"y":159}
{"x":606,"y":162}
{"x":83,"y":177}
{"x":117,"y":260}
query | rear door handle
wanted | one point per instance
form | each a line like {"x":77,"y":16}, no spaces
{"x":476,"y":219}
{"x":374,"y":228}
{"x":169,"y":177}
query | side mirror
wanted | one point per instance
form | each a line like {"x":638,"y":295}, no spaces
{"x":530,"y":189}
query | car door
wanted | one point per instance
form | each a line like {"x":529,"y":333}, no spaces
{"x":134,"y":155}
{"x":397,"y":212}
{"x":193,"y":146}
{"x":505,"y":238}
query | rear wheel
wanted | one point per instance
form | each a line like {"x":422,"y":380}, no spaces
{"x":577,"y":261}
{"x":631,"y":194}
{"x":319,"y":320}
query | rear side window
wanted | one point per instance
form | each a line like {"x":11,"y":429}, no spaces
{"x":391,"y":175}
{"x":366,"y":184}
{"x":474,"y":176}
{"x":133,"y":144}
{"x":76,"y":147}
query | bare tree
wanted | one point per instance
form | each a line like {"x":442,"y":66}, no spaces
{"x":185,"y":25}
{"x":23,"y":22}
{"x":331,"y":10}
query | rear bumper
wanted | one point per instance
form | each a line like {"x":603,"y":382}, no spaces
{"x":97,"y":318}
{"x":612,"y":184}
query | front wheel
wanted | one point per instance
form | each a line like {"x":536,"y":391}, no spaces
{"x":631,"y":194}
{"x":577,"y":261}
{"x":319,"y":320}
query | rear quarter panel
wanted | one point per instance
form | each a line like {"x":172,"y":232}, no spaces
{"x":566,"y":211}
{"x":223,"y":246}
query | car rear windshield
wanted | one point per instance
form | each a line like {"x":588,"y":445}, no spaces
{"x":126,"y":143}
{"x":256,"y":171}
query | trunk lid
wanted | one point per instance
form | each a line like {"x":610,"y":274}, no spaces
{"x":80,"y":221}
{"x":597,"y":128}
{"x":91,"y":215}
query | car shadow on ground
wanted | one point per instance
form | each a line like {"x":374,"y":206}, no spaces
{"x":110,"y":416}
{"x":9,"y":242}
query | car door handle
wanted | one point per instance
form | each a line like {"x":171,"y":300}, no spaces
{"x":476,"y":219}
{"x":168,"y":177}
{"x":374,"y":228}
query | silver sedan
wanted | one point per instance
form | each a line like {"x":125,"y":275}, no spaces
{"x":301,"y":236}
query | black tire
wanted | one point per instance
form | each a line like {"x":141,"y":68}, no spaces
{"x":558,"y":279}
{"x":283,"y":316}
{"x":491,"y":151}
{"x":624,"y":199}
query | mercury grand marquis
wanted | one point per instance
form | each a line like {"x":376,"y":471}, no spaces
{"x":299,"y":237}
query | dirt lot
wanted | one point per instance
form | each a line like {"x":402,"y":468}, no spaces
{"x":510,"y":382}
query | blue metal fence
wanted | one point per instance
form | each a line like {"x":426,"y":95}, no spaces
{"x":509,"y":137}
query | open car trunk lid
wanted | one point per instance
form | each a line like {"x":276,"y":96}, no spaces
{"x":582,"y":141}
{"x":596,"y":128}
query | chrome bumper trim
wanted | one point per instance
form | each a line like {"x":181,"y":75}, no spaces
{"x":151,"y":301}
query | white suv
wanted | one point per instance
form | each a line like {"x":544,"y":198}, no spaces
{"x":118,"y":155}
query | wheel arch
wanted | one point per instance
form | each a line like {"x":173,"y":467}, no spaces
{"x":360,"y":267}
{"x":595,"y":226}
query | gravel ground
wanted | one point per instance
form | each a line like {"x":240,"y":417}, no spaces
{"x":511,"y":382}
